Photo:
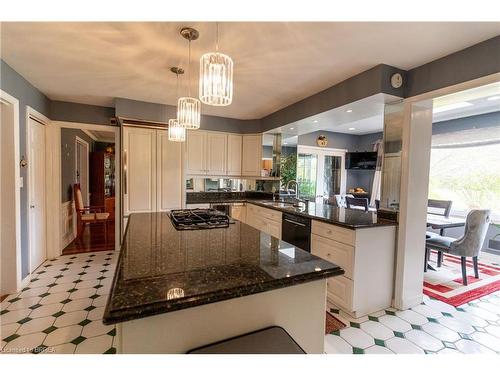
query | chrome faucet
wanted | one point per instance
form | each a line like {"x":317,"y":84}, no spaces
{"x":296,"y":188}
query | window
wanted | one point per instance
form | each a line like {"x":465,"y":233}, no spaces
{"x":465,"y":168}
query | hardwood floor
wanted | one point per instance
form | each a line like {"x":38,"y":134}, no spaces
{"x":93,"y":240}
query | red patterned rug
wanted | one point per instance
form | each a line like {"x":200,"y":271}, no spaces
{"x":445,"y":284}
{"x":332,"y":324}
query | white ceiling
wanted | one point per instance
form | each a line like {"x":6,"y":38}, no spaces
{"x":275,"y":64}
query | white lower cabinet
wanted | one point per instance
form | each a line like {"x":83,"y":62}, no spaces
{"x":367,"y":257}
{"x":264,"y":219}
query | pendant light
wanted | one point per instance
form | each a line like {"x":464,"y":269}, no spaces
{"x":216,"y":76}
{"x":176,"y":133}
{"x":189,"y":108}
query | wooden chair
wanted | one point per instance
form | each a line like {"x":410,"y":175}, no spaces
{"x":357,"y":203}
{"x":86,"y":215}
{"x":441,"y":208}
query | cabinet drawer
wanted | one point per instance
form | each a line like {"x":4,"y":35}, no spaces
{"x":333,"y":232}
{"x":266,"y":213}
{"x":340,"y":291}
{"x":335,"y":252}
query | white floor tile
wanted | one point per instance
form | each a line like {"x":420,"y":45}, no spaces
{"x":63,"y":335}
{"x":412,"y":317}
{"x":491,"y":307}
{"x":83,"y":293}
{"x":101,"y":301}
{"x":440,"y":306}
{"x":91,"y":276}
{"x":42,"y":282}
{"x":485,"y":314}
{"x":24,"y":303}
{"x":377,"y":330}
{"x":34,"y":292}
{"x":449,"y":351}
{"x":96,"y":328}
{"x":471,"y":319}
{"x":70,"y":318}
{"x":375,"y":349}
{"x":357,"y":337}
{"x":36,"y":325}
{"x":61,"y":287}
{"x":96,"y":314}
{"x":87,"y":284}
{"x":402,"y":346}
{"x":456,"y":325}
{"x":471,"y":347}
{"x":14,"y":316}
{"x":77,"y":304}
{"x":61,"y":349}
{"x":97,"y":344}
{"x":46,"y":310}
{"x":441,"y":332}
{"x":8,"y":329}
{"x":67,"y":279}
{"x":337,"y":345}
{"x":48,"y":274}
{"x":424,"y":340}
{"x":395,"y":323}
{"x":427,"y":311}
{"x":24,"y":344}
{"x":493,"y":330}
{"x":54,"y":298}
{"x":487,"y":340}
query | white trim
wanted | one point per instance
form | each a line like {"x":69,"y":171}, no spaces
{"x":89,"y":133}
{"x":57,"y":175}
{"x":87,"y":146}
{"x":17,"y":185}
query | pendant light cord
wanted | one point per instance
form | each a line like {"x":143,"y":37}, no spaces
{"x":217,"y":37}
{"x":189,"y":70}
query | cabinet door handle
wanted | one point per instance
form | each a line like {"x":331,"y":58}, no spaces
{"x":295,"y":223}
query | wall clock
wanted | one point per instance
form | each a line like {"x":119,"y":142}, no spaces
{"x":396,"y":80}
{"x":322,"y":141}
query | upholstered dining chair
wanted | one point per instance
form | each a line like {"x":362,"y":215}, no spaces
{"x":86,"y":215}
{"x":469,"y":245}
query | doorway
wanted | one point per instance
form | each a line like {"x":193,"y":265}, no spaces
{"x":36,"y":193}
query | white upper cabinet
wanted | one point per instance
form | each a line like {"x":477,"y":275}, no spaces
{"x":234,"y":146}
{"x":252,"y":155}
{"x":216,"y":153}
{"x":196,"y":152}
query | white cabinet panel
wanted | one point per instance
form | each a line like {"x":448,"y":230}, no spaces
{"x":234,"y":149}
{"x":196,"y":145}
{"x":251,"y":155}
{"x":139,"y":163}
{"x":216,"y":153}
{"x":169,"y":172}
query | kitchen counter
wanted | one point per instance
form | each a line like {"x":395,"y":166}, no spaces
{"x":162,"y":270}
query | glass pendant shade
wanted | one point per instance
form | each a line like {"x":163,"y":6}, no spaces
{"x":176,"y":133}
{"x":189,"y":113}
{"x":216,"y":79}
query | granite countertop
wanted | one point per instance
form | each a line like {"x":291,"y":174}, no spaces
{"x":161,"y":269}
{"x":344,"y":217}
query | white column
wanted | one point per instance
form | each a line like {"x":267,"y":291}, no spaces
{"x":415,"y":162}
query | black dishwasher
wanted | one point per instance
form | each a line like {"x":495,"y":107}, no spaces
{"x":296,"y":230}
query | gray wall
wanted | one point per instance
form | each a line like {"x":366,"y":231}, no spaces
{"x":15,"y":85}
{"x":162,"y":113}
{"x":472,"y":122}
{"x":75,"y":112}
{"x":68,"y":160}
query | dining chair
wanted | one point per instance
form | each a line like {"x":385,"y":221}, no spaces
{"x":86,"y":215}
{"x":340,"y":200}
{"x":469,"y":245}
{"x":441,"y":208}
{"x":356,"y":203}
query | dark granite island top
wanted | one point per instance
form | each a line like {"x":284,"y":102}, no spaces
{"x":161,"y":269}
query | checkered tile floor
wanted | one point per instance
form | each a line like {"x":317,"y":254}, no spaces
{"x":61,"y":309}
{"x":431,"y":327}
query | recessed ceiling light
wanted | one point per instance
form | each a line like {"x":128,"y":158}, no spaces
{"x":451,"y":106}
{"x":315,"y":121}
{"x":291,"y":128}
{"x":349,"y":111}
{"x":496,"y":97}
{"x":285,"y":143}
{"x":352,"y":128}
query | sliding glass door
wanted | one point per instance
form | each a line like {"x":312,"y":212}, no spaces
{"x":320,"y":173}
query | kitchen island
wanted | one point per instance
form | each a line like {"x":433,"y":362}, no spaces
{"x":177,"y":290}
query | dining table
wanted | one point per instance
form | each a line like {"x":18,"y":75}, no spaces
{"x":442,"y":222}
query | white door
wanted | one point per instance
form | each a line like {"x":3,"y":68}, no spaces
{"x":36,"y":194}
{"x":234,"y":144}
{"x":169,"y":172}
{"x":216,"y":154}
{"x":82,"y":168}
{"x":139,"y":170}
{"x":195,"y":152}
{"x":251,"y":163}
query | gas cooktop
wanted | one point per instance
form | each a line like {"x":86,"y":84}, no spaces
{"x":199,"y":218}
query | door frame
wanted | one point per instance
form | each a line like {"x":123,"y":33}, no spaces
{"x":321,"y":152}
{"x":56,"y":193}
{"x":45,"y":121}
{"x":14,"y":102}
{"x":87,"y":146}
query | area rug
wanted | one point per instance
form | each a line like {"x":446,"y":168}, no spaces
{"x":445,"y":284}
{"x":332,"y":324}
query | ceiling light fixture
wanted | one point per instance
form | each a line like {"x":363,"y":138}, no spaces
{"x":176,"y":133}
{"x":216,"y":76}
{"x":496,"y":97}
{"x":451,"y":106}
{"x":349,"y":111}
{"x":291,"y":128}
{"x":315,"y":121}
{"x":352,"y":128}
{"x":189,"y":108}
